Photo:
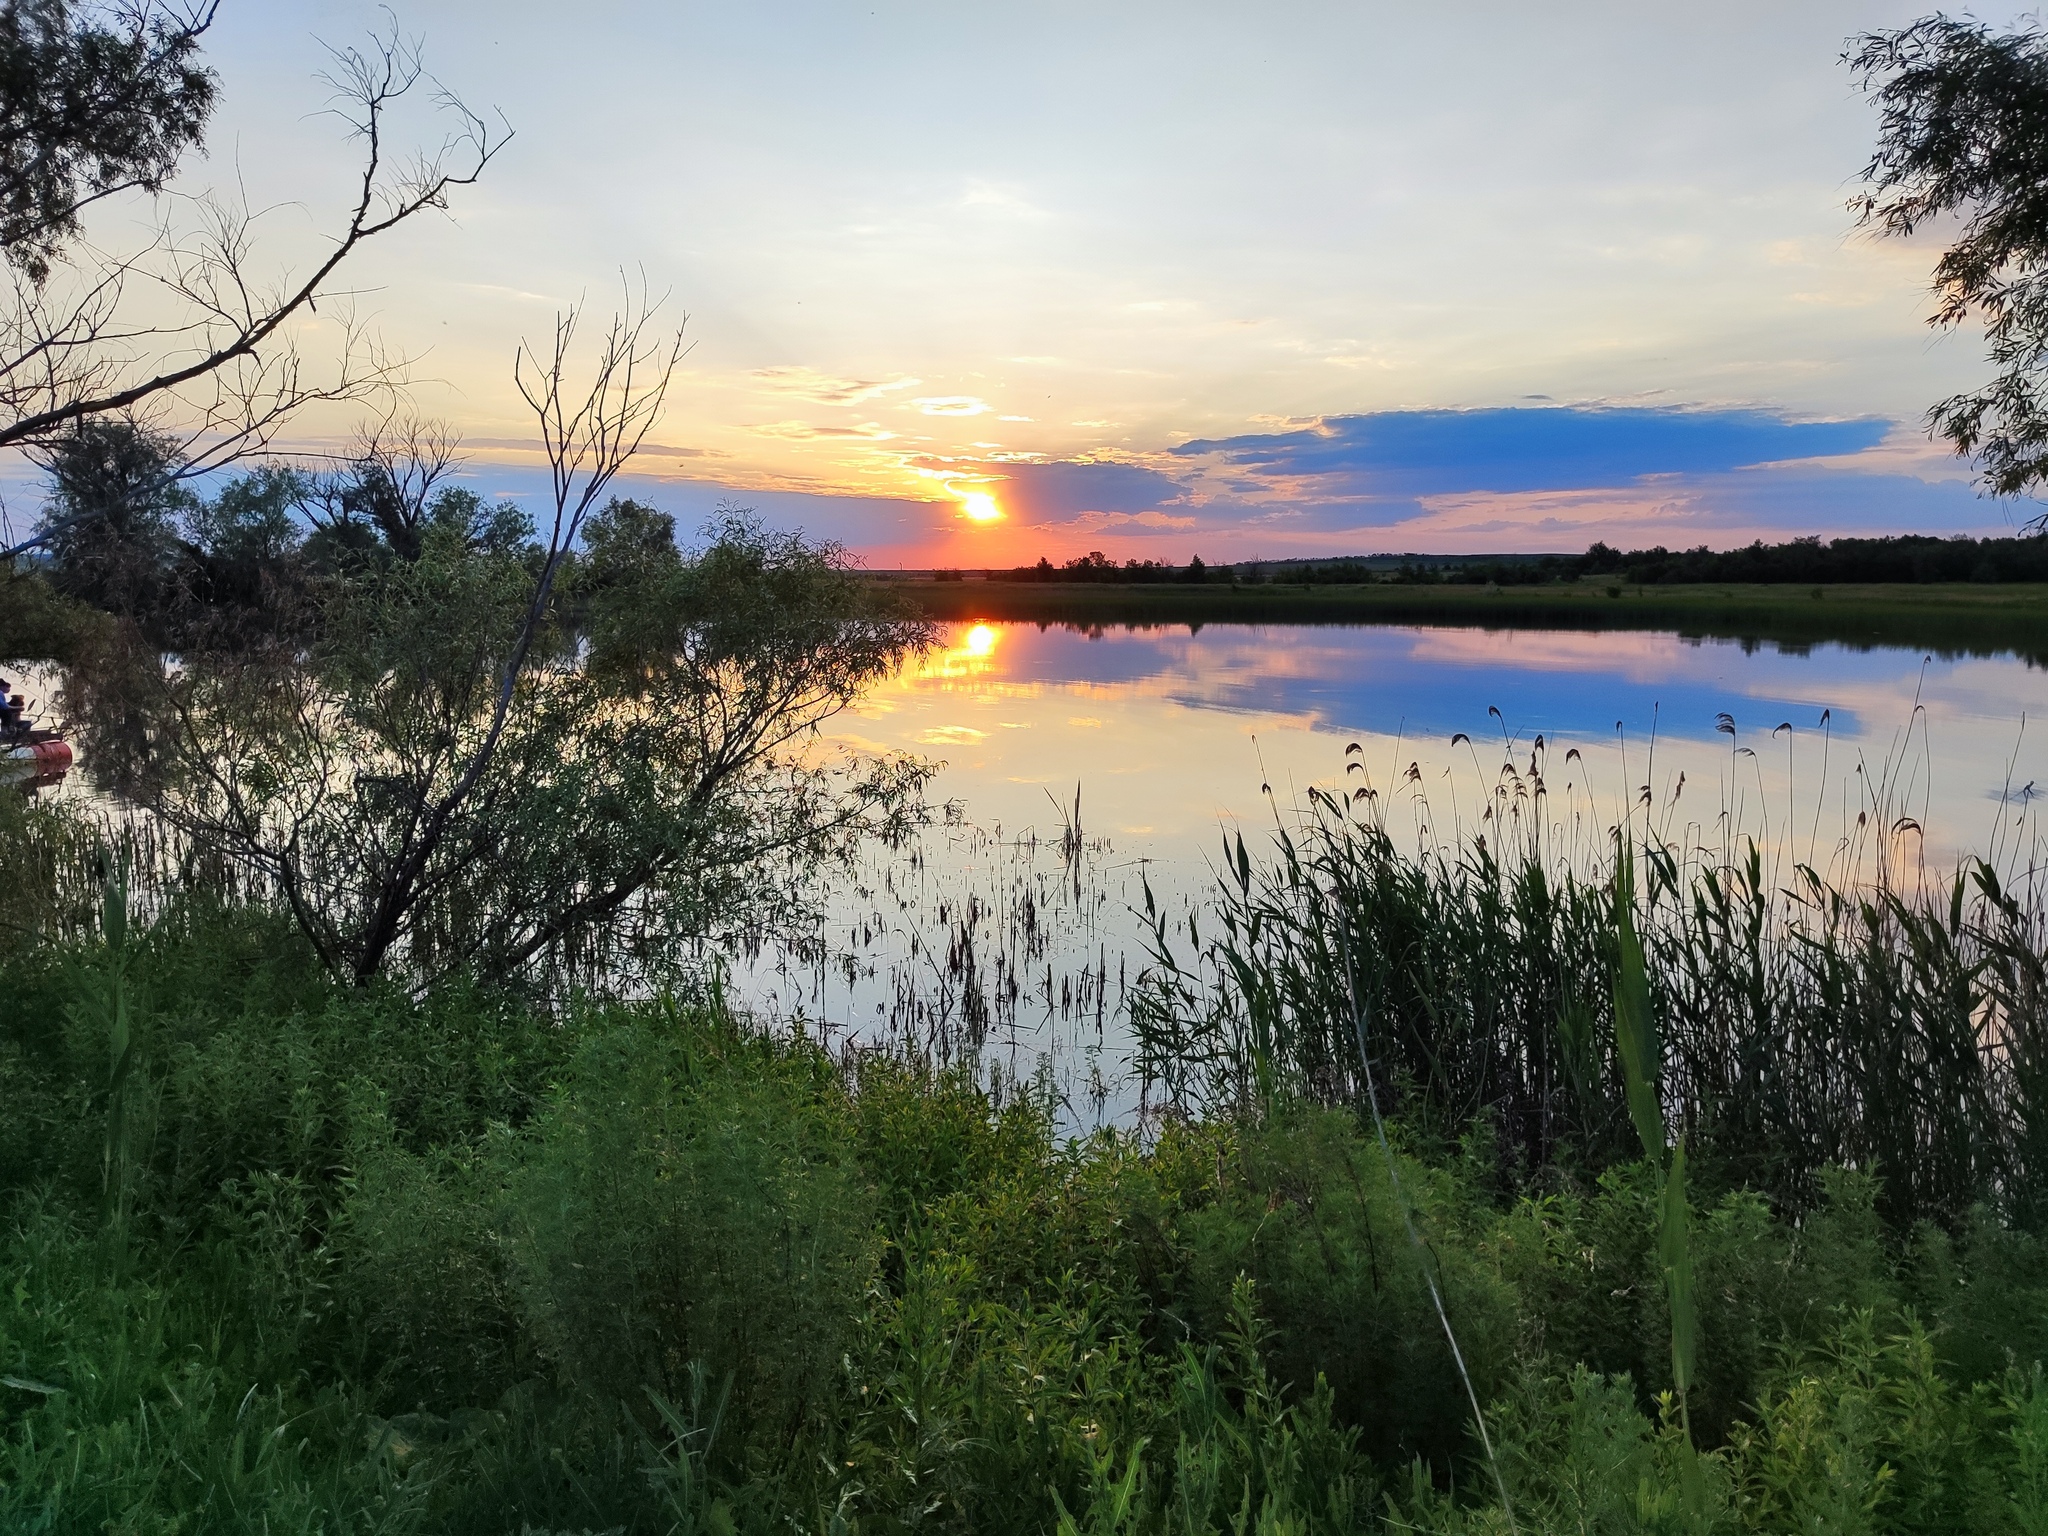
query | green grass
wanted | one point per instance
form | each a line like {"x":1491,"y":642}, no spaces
{"x":283,"y":1255}
{"x":1948,"y":617}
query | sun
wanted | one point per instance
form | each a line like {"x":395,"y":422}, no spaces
{"x":980,"y":507}
{"x":981,"y":641}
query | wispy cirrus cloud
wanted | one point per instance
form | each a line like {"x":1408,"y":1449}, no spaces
{"x":804,"y":431}
{"x":652,"y":450}
{"x":825,"y":388}
{"x":987,"y":197}
{"x":1128,"y":522}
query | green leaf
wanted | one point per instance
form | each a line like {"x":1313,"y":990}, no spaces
{"x":1635,"y":1030}
{"x":1674,"y":1247}
{"x":114,"y":909}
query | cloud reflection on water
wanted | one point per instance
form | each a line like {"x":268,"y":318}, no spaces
{"x":1171,"y":740}
{"x":1174,"y":731}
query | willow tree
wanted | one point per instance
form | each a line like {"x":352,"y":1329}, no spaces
{"x":1963,"y":139}
{"x":502,"y":759}
{"x":187,"y":325}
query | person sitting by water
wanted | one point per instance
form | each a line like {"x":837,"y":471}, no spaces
{"x":14,"y":717}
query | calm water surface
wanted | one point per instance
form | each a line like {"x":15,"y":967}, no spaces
{"x":1175,"y":738}
{"x":993,"y":933}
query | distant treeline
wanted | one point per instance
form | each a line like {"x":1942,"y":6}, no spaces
{"x":1904,"y":558}
{"x":1095,"y":566}
{"x":1909,"y":557}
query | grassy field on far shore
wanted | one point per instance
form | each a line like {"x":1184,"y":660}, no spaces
{"x":1958,"y":617}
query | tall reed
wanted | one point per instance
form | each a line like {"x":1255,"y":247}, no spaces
{"x":1808,"y":1019}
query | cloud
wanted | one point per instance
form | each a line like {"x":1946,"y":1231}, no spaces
{"x":824,"y":388}
{"x":1424,"y":453}
{"x":669,"y":451}
{"x":534,"y":445}
{"x":1826,"y":500}
{"x":987,"y":197}
{"x":1130,"y":522}
{"x":1534,"y":477}
{"x":1063,"y":489}
{"x":803,"y":431}
{"x":951,"y":405}
{"x":1683,"y":511}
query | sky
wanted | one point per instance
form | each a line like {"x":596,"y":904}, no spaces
{"x":969,"y":284}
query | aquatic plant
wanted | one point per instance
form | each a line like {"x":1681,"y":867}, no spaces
{"x":1875,"y":1015}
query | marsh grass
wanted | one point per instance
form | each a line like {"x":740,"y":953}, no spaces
{"x":460,"y":1265}
{"x":970,"y":944}
{"x":1803,"y":1003}
{"x":477,"y":1262}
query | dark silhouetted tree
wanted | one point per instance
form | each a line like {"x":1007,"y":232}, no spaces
{"x":182,"y":326}
{"x":93,"y":102}
{"x":114,"y":514}
{"x":1963,"y":134}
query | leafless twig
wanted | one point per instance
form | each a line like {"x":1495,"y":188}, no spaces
{"x":187,"y":330}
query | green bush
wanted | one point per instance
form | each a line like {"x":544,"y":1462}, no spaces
{"x":687,"y":1202}
{"x":1305,"y":1208}
{"x":423,"y":1275}
{"x":466,"y":1264}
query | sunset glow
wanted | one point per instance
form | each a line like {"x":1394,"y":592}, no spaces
{"x":944,"y":583}
{"x":1023,"y":337}
{"x":980,"y":507}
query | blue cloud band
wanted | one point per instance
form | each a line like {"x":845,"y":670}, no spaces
{"x":1429,"y":453}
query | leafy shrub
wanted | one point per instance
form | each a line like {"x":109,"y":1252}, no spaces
{"x":465,"y":1265}
{"x":684,"y":1202}
{"x":1306,"y":1209}
{"x":424,"y":1276}
{"x":1580,"y":1455}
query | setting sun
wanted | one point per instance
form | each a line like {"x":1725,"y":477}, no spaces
{"x":980,"y":507}
{"x":981,"y":641}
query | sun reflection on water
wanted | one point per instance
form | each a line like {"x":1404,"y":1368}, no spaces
{"x":970,"y":651}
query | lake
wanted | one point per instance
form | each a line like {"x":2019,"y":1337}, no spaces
{"x":998,"y":931}
{"x":1011,"y":927}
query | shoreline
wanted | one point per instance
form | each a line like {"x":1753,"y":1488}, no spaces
{"x":1948,"y":618}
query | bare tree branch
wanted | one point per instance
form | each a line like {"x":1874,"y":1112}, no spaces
{"x":226,"y":367}
{"x":588,"y":438}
